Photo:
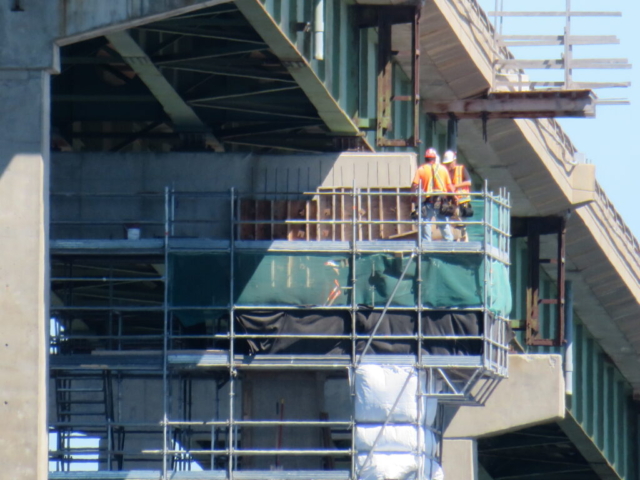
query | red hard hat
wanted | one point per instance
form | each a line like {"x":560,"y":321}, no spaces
{"x":431,"y":153}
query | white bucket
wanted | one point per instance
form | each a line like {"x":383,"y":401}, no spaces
{"x":133,"y":233}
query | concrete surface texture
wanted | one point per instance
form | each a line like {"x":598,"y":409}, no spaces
{"x":135,"y":174}
{"x":24,"y":170}
{"x":28,"y":55}
{"x":271,"y":396}
{"x":535,"y":385}
{"x":460,"y":459}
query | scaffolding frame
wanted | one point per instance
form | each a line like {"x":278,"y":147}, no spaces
{"x":466,"y":379}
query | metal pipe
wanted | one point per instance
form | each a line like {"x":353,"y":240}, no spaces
{"x":232,"y":364}
{"x":254,"y":452}
{"x":165,"y":342}
{"x":568,"y":335}
{"x":318,"y":30}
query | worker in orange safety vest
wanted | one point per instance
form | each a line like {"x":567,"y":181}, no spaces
{"x":461,"y":184}
{"x":433,"y":178}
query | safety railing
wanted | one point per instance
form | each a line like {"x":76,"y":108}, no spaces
{"x":332,"y":214}
{"x":191,"y":299}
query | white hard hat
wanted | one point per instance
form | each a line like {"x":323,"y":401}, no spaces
{"x":449,"y":156}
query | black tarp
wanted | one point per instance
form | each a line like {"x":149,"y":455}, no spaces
{"x":460,"y":324}
{"x":434,"y":323}
{"x":295,"y":323}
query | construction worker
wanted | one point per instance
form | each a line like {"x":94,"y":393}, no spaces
{"x":461,"y":184}
{"x":432,"y":179}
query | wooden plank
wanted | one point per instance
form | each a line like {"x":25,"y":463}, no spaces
{"x":360,"y":213}
{"x":297,"y":211}
{"x":342,"y":213}
{"x":350,"y":213}
{"x":263,"y":212}
{"x":279,"y":214}
{"x":381,"y":213}
{"x":398,"y":228}
{"x":324,"y":214}
{"x":312,"y":214}
{"x":405,"y":210}
{"x":247,"y":212}
{"x":370,"y":216}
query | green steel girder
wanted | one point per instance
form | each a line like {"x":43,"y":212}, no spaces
{"x":336,"y":119}
{"x":239,"y":72}
{"x":162,"y":60}
{"x":181,"y":114}
{"x":78,"y":19}
{"x":245,"y":93}
{"x":219,"y":34}
{"x":235,"y":84}
{"x":264,"y":128}
{"x":257,"y":109}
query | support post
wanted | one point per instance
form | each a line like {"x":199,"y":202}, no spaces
{"x":533,"y":228}
{"x":385,"y":81}
{"x":24,"y":270}
{"x":533,"y":284}
{"x":568,"y":353}
{"x":384,"y":124}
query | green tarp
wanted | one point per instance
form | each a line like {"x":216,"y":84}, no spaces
{"x":449,"y":281}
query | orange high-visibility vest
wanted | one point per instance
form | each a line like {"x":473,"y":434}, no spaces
{"x":458,"y":178}
{"x":433,"y":179}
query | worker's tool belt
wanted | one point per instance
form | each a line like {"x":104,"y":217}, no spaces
{"x":465,"y":210}
{"x":443,"y":204}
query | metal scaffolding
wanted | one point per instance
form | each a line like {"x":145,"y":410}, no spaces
{"x":134,"y":279}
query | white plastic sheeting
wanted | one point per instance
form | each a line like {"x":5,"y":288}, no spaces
{"x":385,"y":466}
{"x":392,"y":419}
{"x":378,"y":388}
{"x":396,"y":438}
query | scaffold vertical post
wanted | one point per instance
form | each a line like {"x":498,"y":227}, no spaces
{"x":232,"y":369}
{"x":165,"y":341}
{"x":419,"y":337}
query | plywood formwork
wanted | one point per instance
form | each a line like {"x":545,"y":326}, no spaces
{"x":329,"y":215}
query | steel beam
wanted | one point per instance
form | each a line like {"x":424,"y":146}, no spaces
{"x":546,"y":104}
{"x":207,"y":54}
{"x":246,"y":93}
{"x":265,"y":128}
{"x":239,"y":72}
{"x":216,"y":34}
{"x":180,"y":113}
{"x":84,"y":19}
{"x":256,"y":109}
{"x":336,"y":119}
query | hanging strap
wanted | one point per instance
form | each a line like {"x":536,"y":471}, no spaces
{"x":457,"y":176}
{"x":434,"y":181}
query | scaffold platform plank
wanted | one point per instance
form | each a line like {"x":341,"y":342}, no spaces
{"x":205,"y":475}
{"x":146,"y":361}
{"x":100,"y":247}
{"x":156,"y":246}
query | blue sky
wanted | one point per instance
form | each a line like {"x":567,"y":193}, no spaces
{"x":607,"y":140}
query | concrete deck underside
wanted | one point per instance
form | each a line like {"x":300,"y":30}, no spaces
{"x":533,"y":160}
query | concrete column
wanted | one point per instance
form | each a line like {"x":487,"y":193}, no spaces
{"x":460,"y":459}
{"x":532,"y":395}
{"x":24,"y":199}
